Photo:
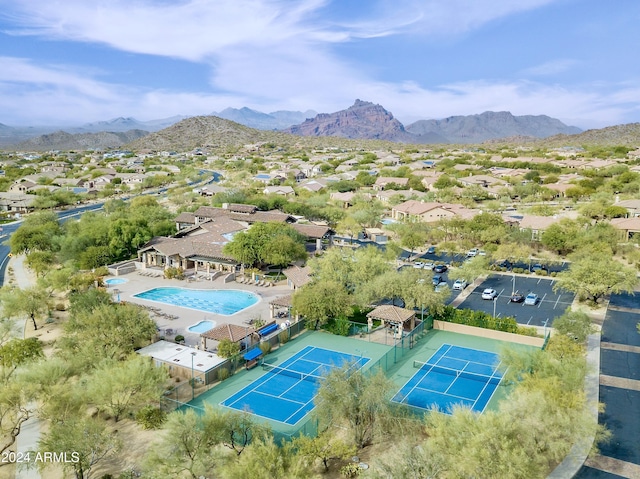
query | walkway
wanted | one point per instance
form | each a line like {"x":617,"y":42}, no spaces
{"x":29,"y":435}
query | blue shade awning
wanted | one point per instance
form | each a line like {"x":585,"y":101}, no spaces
{"x":253,"y":354}
{"x":268,"y":329}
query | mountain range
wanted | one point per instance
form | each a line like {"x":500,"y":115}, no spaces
{"x":362,"y":120}
{"x":277,"y":120}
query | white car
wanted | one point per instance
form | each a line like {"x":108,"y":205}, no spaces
{"x":489,"y":293}
{"x":472,"y":252}
{"x":459,"y":284}
{"x":531,"y":299}
{"x":418,"y":265}
{"x":428,"y":266}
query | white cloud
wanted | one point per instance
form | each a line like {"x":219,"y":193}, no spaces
{"x":552,"y":67}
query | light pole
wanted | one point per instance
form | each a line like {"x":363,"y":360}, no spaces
{"x":495,"y":300}
{"x":193,"y":355}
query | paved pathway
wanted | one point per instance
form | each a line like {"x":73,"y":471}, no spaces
{"x":30,"y":432}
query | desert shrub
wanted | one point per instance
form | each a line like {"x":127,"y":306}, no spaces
{"x":174,"y":273}
{"x":223,"y":373}
{"x":179,"y":338}
{"x":265,"y":347}
{"x":150,"y":417}
{"x":284,"y":336}
{"x":518,"y":270}
{"x":60,"y":307}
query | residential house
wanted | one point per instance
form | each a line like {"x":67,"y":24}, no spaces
{"x":430,"y":212}
{"x":384,"y":181}
{"x":628,"y":227}
{"x":247,"y":214}
{"x":632,"y":206}
{"x":16,"y":202}
{"x":279,"y":190}
{"x":22,"y":186}
{"x":537,"y":224}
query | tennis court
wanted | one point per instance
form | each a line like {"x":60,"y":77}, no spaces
{"x":452,"y":375}
{"x":285,"y":392}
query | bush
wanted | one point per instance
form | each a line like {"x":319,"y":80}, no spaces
{"x":339,"y":327}
{"x":265,"y":347}
{"x":518,"y":270}
{"x":179,"y":338}
{"x":284,"y":337}
{"x":350,"y":470}
{"x":60,"y":307}
{"x":223,"y":373}
{"x":174,"y":273}
{"x":542,"y":272}
{"x":150,"y":417}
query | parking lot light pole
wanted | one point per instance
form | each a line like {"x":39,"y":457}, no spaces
{"x":513,"y":288}
{"x":495,"y":300}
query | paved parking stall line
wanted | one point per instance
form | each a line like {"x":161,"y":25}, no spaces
{"x":541,"y":300}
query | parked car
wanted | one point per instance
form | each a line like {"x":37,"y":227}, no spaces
{"x":482,"y":252}
{"x":472,"y":252}
{"x":437,"y":279}
{"x":418,"y":264}
{"x":504,"y":264}
{"x":531,"y":299}
{"x":489,"y":293}
{"x":440,"y":268}
{"x":459,"y":284}
{"x":440,"y":287}
{"x":428,"y":266}
{"x":516,"y":298}
{"x":538,"y":267}
{"x":431,"y":250}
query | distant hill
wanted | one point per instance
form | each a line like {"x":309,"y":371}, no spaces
{"x":618,"y":135}
{"x":204,"y":131}
{"x":490,"y":125}
{"x":276,"y":120}
{"x":121,"y":124}
{"x":362,"y":120}
{"x":365,"y":120}
{"x":61,"y":140}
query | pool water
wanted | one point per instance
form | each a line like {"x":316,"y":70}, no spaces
{"x":217,"y":301}
{"x":112,"y":281}
{"x":202,"y":326}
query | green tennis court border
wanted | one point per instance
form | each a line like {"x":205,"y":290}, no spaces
{"x":396,"y":361}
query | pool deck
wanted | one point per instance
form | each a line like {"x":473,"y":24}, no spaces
{"x":188,"y":317}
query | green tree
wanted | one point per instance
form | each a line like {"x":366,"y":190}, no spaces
{"x":595,"y":275}
{"x":319,"y":301}
{"x":575,"y":324}
{"x":86,"y":442}
{"x":348,"y":226}
{"x":356,"y":401}
{"x":37,"y":233}
{"x":107,"y":331}
{"x":119,"y":387}
{"x":40,"y":261}
{"x":264,"y":459}
{"x":31,"y":302}
{"x":267,"y":243}
{"x":323,"y":448}
{"x":228,"y":348}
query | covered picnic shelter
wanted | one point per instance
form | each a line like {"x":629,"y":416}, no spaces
{"x":396,"y":318}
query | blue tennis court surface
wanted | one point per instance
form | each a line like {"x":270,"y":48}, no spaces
{"x":286,"y":392}
{"x":453,"y":375}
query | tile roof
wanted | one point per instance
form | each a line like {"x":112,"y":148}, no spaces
{"x":232,"y":332}
{"x":392,"y":314}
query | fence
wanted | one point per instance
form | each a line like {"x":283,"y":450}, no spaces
{"x":182,"y":393}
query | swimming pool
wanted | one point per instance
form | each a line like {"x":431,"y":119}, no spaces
{"x":202,"y":326}
{"x":217,"y":301}
{"x":112,"y":281}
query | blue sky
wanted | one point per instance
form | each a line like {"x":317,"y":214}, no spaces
{"x":77,"y":61}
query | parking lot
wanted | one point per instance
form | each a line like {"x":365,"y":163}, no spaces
{"x":549,"y":306}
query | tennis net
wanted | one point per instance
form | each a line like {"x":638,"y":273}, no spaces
{"x":291,"y":373}
{"x":494,"y":379}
